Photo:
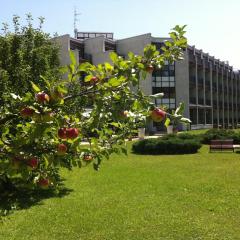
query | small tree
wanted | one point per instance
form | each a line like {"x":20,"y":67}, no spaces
{"x":43,"y":129}
{"x":25,"y":55}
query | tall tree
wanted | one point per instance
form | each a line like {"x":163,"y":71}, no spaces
{"x":25,"y":55}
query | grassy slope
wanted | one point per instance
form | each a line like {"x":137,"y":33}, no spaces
{"x":140,"y":197}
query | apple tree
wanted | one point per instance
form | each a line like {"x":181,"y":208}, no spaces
{"x":80,"y":120}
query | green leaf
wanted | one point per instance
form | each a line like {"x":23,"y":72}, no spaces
{"x":46,"y":163}
{"x":115,"y":124}
{"x":180,"y":109}
{"x":35,"y":87}
{"x":108,"y":67}
{"x":114,"y":82}
{"x":157,"y":95}
{"x":46,"y":81}
{"x":88,"y":78}
{"x":113,"y":56}
{"x":167,"y":122}
{"x":14,"y":96}
{"x":72,"y":57}
{"x":185,"y":120}
{"x":136,"y":105}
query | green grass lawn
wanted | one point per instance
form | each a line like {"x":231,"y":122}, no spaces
{"x":140,"y":197}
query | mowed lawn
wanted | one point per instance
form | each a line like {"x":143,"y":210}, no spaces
{"x":140,"y":197}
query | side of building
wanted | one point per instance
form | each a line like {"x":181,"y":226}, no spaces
{"x":209,"y":87}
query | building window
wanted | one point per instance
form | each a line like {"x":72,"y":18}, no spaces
{"x":163,"y":81}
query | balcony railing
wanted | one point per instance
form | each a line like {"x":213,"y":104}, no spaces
{"x":192,"y":79}
{"x":192,"y":100}
{"x":200,"y":80}
{"x":200,"y":101}
{"x":192,"y":58}
{"x":207,"y":83}
{"x":208,"y":102}
{"x":215,"y":103}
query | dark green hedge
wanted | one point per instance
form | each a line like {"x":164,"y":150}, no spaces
{"x":213,"y":134}
{"x":171,"y":144}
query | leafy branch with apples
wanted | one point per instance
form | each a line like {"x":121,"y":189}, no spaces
{"x":80,"y":120}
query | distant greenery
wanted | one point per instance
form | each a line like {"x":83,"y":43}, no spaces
{"x":170,"y":144}
{"x":213,"y":134}
{"x":180,"y":197}
{"x":197,"y":131}
{"x":25,"y":55}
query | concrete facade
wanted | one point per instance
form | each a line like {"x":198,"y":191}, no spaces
{"x":209,"y":88}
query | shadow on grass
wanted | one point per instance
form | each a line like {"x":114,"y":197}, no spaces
{"x":12,"y":198}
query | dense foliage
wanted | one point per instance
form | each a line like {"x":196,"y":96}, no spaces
{"x":172,"y":144}
{"x":25,"y":55}
{"x":50,"y":126}
{"x":214,"y":134}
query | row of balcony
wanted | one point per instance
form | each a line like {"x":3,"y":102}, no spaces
{"x":193,"y":100}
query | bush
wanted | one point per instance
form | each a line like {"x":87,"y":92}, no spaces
{"x":213,"y":134}
{"x":170,"y":144}
{"x":184,"y":135}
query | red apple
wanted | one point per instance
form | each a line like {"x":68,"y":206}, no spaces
{"x":149,"y":68}
{"x":32,"y":163}
{"x":72,"y":133}
{"x":88,"y":157}
{"x":42,"y":97}
{"x":43,"y":183}
{"x":62,"y":133}
{"x":62,"y":149}
{"x":26,"y":112}
{"x":158,"y":115}
{"x":94,"y":79}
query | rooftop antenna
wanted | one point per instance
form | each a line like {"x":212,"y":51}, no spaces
{"x":76,"y":14}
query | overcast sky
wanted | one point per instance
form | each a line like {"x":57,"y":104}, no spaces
{"x":212,"y":25}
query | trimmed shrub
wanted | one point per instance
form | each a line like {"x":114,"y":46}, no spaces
{"x":214,"y":134}
{"x":171,"y":145}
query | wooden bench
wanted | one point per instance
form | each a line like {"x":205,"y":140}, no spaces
{"x":221,"y":145}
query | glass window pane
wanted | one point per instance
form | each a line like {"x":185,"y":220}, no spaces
{"x":165,"y":84}
{"x":165,"y":73}
{"x":165,"y":101}
{"x":171,"y":67}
